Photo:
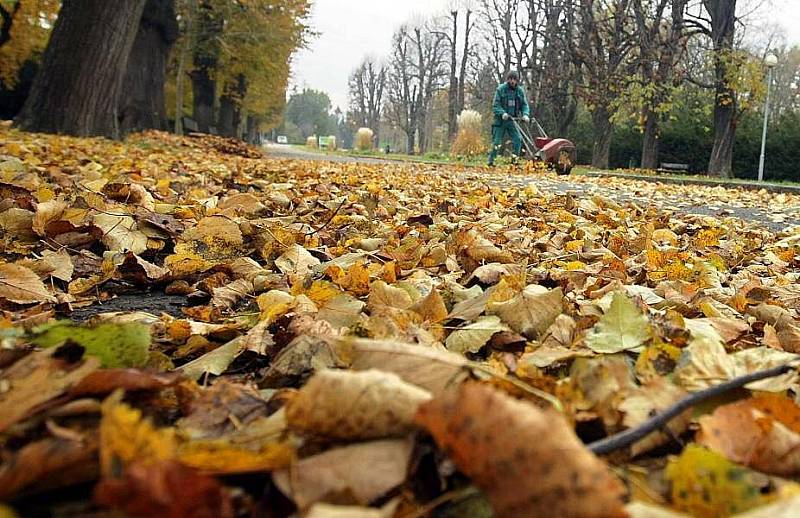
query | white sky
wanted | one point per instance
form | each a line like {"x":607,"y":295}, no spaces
{"x":349,"y":29}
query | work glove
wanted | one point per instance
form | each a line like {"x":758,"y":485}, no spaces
{"x":525,"y":118}
{"x":506,"y":116}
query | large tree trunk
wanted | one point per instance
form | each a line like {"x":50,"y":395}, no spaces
{"x":723,"y":28}
{"x":206,"y":56}
{"x":225,"y":124}
{"x":721,"y":161}
{"x":603,"y":130}
{"x":142,"y":104}
{"x":78,"y":87}
{"x":650,"y":141}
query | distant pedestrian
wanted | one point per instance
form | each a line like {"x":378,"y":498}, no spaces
{"x":509,"y":103}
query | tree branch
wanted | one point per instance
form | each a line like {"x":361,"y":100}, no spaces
{"x":632,"y":435}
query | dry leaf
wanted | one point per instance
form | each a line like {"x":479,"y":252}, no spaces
{"x":21,"y":285}
{"x":355,"y":405}
{"x":527,"y":461}
{"x":364,"y":471}
{"x":531,"y":312}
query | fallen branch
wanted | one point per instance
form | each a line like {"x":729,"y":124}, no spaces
{"x":657,"y":422}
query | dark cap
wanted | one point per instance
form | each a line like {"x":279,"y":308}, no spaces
{"x":512,"y":74}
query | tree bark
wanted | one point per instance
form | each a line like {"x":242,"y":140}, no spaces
{"x":462,"y":76}
{"x":78,"y":87}
{"x":206,"y":56}
{"x":142,"y":104}
{"x":452,"y":92}
{"x":723,"y":26}
{"x":180,"y":78}
{"x":225,"y":124}
{"x":603,"y":131}
{"x":650,"y":141}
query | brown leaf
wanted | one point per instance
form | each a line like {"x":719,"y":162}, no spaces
{"x":21,"y":285}
{"x":105,"y":381}
{"x":36,"y":379}
{"x":355,"y":405}
{"x":531,"y":312}
{"x":51,"y":264}
{"x":222,"y":408}
{"x":761,"y":432}
{"x":528,"y":461}
{"x":431,"y":369}
{"x":360,"y":473}
{"x":166,"y":488}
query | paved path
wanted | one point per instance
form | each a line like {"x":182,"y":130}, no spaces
{"x":778,"y":212}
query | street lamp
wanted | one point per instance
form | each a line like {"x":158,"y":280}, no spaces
{"x":770,"y":61}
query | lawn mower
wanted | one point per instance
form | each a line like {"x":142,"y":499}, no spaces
{"x":558,"y":153}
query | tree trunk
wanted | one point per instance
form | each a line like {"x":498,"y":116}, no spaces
{"x":142,"y":104}
{"x":650,"y":141}
{"x":78,"y":87}
{"x":225,"y":122}
{"x":603,"y":130}
{"x":206,"y":56}
{"x":462,"y":79}
{"x":721,"y":161}
{"x":180,"y":78}
{"x":452,"y":92}
{"x":252,"y":130}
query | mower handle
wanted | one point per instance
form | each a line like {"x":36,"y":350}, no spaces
{"x":542,"y":132}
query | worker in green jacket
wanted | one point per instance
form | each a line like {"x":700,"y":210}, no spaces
{"x":509,"y":103}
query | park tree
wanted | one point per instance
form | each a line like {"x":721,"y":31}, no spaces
{"x":24,"y":30}
{"x":662,"y":47}
{"x":417,"y":71}
{"x":366,"y":87}
{"x":78,"y":87}
{"x":142,"y":104}
{"x":310,"y":110}
{"x":208,"y":25}
{"x":605,"y":38}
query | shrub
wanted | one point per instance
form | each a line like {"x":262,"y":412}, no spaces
{"x":311,"y":142}
{"x":469,"y":139}
{"x":363,"y":140}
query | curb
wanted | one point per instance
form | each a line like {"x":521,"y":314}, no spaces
{"x":750,"y":186}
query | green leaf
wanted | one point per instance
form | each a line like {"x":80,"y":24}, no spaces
{"x":622,"y":328}
{"x":116,"y":345}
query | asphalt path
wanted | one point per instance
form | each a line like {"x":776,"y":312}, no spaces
{"x":778,"y":212}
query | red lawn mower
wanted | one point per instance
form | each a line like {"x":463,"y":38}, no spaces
{"x":559,"y":154}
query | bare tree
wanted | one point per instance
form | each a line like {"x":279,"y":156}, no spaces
{"x":601,"y":50}
{"x":417,"y":71}
{"x":366,"y":90}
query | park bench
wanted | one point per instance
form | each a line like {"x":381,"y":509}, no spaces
{"x":189,"y":124}
{"x":672,"y":167}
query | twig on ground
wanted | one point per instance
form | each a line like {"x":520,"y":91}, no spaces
{"x":329,"y":219}
{"x":630,"y":436}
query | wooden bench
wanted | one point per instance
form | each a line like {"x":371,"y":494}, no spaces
{"x":671,"y":167}
{"x":189,"y":124}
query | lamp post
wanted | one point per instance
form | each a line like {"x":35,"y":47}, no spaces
{"x":770,"y":61}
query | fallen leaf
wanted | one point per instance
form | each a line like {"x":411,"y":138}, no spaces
{"x":120,"y":233}
{"x":166,"y":488}
{"x":705,"y":484}
{"x":36,"y":379}
{"x":761,"y":432}
{"x":431,"y":369}
{"x":472,"y":337}
{"x":115,"y":345}
{"x":214,"y":362}
{"x":527,"y":461}
{"x":355,"y":405}
{"x":530,"y":313}
{"x":366,"y":471}
{"x":297,"y":260}
{"x":651,"y":399}
{"x":622,"y":327}
{"x":21,"y":285}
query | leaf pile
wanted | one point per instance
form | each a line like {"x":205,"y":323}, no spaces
{"x":183,"y":320}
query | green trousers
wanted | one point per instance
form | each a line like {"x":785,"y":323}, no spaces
{"x":499,"y":131}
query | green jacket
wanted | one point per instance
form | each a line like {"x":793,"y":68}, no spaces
{"x":511,"y":101}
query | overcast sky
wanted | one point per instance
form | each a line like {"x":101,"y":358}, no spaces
{"x":349,"y":29}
